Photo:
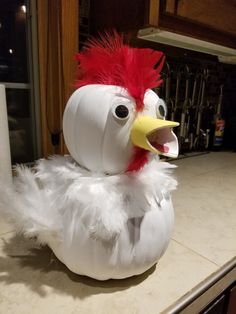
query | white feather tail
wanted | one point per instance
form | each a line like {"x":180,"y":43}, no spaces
{"x":29,"y":207}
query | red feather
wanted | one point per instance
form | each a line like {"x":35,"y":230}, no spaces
{"x":108,"y":61}
{"x":140,"y":158}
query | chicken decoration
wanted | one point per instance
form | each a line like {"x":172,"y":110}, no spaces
{"x":106,"y":209}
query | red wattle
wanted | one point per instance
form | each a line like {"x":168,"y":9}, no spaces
{"x":140,"y":158}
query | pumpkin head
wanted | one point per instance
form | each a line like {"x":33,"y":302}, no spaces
{"x":114,"y":119}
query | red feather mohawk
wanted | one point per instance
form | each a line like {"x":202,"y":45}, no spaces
{"x":110,"y":62}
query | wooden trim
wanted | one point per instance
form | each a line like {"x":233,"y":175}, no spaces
{"x":70,"y":39}
{"x":171,"y":6}
{"x":154,"y":9}
{"x":58,"y":43}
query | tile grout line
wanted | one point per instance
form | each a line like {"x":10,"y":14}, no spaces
{"x":4,"y":233}
{"x":186,"y":247}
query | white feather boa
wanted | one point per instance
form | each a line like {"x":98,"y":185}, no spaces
{"x":40,"y":198}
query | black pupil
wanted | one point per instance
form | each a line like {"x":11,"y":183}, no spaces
{"x":122,"y":111}
{"x":162,"y":110}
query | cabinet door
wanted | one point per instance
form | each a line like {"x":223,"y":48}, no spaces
{"x":217,"y":307}
{"x":211,"y":20}
{"x":232,"y":301}
{"x":218,"y":14}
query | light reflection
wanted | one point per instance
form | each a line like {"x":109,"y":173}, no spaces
{"x":23,"y":8}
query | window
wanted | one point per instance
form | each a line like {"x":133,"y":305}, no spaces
{"x":17,"y":73}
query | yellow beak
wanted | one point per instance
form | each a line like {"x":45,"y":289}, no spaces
{"x":155,"y":135}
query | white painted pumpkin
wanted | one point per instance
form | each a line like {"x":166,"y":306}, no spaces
{"x":96,"y":137}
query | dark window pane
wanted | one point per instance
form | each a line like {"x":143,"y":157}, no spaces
{"x":13,"y":48}
{"x":14,"y":69}
{"x":20,"y":125}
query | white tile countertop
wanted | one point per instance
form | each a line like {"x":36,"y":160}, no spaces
{"x":202,"y":248}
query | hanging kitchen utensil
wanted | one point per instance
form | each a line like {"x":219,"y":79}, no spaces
{"x":185,"y":119}
{"x":167,"y":87}
{"x":192,"y":108}
{"x":176,"y":102}
{"x":200,"y":134}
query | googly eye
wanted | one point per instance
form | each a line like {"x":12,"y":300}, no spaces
{"x":121,"y":112}
{"x":161,"y":109}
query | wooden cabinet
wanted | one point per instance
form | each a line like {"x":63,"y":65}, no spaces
{"x":218,"y":14}
{"x":232,"y":301}
{"x":217,"y":307}
{"x":225,"y":303}
{"x":211,"y":20}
